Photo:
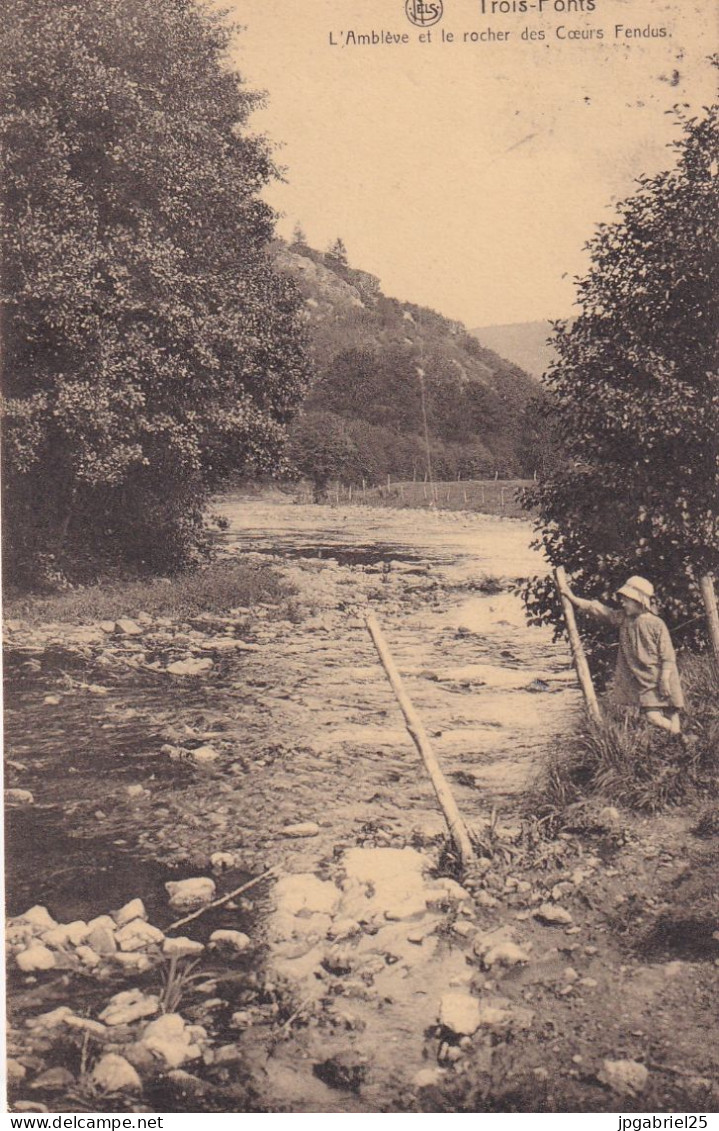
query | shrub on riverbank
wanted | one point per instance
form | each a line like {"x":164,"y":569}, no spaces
{"x":625,"y":762}
{"x":221,"y":586}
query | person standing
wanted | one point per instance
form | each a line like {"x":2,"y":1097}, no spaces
{"x":646,"y":674}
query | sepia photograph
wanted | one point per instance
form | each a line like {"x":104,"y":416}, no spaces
{"x":360,"y":559}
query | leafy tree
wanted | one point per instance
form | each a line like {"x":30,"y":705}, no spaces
{"x":636,"y":397}
{"x":322,"y":449}
{"x":150,"y":348}
{"x":299,"y":237}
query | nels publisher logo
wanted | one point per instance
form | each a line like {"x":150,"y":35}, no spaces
{"x":424,"y":13}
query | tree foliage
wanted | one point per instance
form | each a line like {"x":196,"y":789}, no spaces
{"x":150,"y":348}
{"x":635,"y":397}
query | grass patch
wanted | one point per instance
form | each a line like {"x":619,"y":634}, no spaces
{"x":215,"y":589}
{"x":628,"y":763}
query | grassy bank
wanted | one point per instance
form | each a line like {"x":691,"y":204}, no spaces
{"x":482,"y":496}
{"x":218,"y":587}
{"x":629,"y":763}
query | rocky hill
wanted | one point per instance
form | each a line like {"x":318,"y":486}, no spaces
{"x":399,"y":388}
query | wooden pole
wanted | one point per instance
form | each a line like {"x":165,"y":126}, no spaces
{"x":456,"y":825}
{"x":710,"y":604}
{"x":575,"y":642}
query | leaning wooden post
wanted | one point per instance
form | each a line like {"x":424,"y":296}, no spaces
{"x":575,"y":642}
{"x":710,"y":604}
{"x":457,"y":827}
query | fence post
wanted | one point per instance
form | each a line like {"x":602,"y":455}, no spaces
{"x":710,"y":604}
{"x":575,"y":642}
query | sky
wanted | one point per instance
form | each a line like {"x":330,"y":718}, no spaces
{"x":468,"y":175}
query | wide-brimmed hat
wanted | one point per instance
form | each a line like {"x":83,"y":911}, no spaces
{"x":638,"y":589}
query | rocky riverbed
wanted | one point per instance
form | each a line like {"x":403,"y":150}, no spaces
{"x":359,"y":974}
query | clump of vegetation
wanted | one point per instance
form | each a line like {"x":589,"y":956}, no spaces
{"x":634,"y":400}
{"x":624,"y":762}
{"x":150,"y":346}
{"x":215,"y":589}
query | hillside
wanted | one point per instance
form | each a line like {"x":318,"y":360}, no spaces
{"x":387,"y":370}
{"x":524,"y":343}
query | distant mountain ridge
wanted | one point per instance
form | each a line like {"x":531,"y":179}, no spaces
{"x":524,"y":343}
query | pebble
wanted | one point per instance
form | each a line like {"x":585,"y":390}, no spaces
{"x":88,"y":956}
{"x":553,"y":915}
{"x":132,"y":911}
{"x":137,"y":935}
{"x":128,"y":627}
{"x":129,"y":1005}
{"x":113,"y":1073}
{"x":628,"y":1077}
{"x":234,"y":940}
{"x":459,"y":1013}
{"x":19,"y":796}
{"x":35,"y":957}
{"x":189,"y":667}
{"x":222,"y":861}
{"x":102,"y":941}
{"x":204,"y":755}
{"x":504,"y":954}
{"x":53,"y":1079}
{"x":303,"y":829}
{"x":186,"y":895}
{"x":428,"y":1077}
{"x":15,"y":1070}
{"x":171,"y":1039}
{"x":181,"y":947}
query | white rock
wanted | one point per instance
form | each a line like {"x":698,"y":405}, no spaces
{"x":170,"y":1039}
{"x":305,"y":892}
{"x":137,"y":935}
{"x":130,"y":1005}
{"x":460,"y":1013}
{"x":610,"y":818}
{"x":627,"y":1077}
{"x":35,"y":957}
{"x":135,"y":909}
{"x":88,"y":956}
{"x":344,"y":929}
{"x":549,"y":913}
{"x":452,"y":889}
{"x":113,"y":1073}
{"x":304,"y":828}
{"x":134,"y":961}
{"x":15,"y":1070}
{"x":204,"y":755}
{"x":51,"y":700}
{"x":234,"y":940}
{"x":222,"y":861}
{"x":504,"y":954}
{"x":107,"y":626}
{"x":102,"y":941}
{"x":181,"y":947}
{"x":408,"y":908}
{"x":189,"y":667}
{"x":186,"y":895}
{"x":19,"y":797}
{"x":427,"y":1077}
{"x":128,"y":627}
{"x":106,"y":922}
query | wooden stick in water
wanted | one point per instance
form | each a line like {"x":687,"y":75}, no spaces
{"x":575,"y":642}
{"x":224,"y":899}
{"x":456,"y":825}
